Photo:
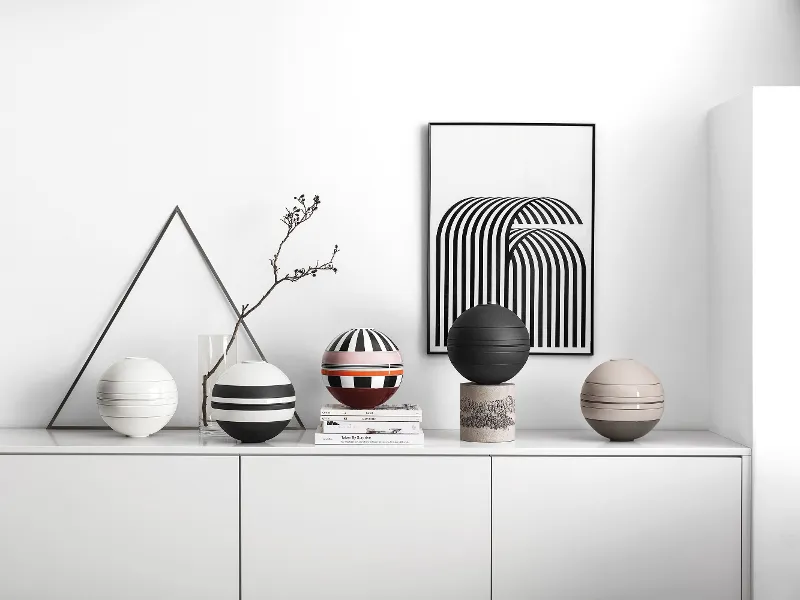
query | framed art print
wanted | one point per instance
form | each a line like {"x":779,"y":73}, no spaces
{"x":512,"y":223}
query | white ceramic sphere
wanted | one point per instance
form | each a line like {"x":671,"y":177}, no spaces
{"x":162,"y":410}
{"x":137,"y":396}
{"x":136,"y":387}
{"x":139,"y":403}
{"x":171,"y":397}
{"x":137,"y":427}
{"x":134,"y":368}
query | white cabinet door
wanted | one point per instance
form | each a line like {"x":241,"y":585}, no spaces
{"x":361,"y":527}
{"x":614,"y":528}
{"x":121,"y":527}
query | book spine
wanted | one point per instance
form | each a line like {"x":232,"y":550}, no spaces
{"x":371,"y":427}
{"x":372,"y":419}
{"x":382,"y":415}
{"x":339,"y":439}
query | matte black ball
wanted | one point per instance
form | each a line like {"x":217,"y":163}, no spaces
{"x":488,"y":344}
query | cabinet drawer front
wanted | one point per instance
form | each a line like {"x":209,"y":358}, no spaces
{"x":122,"y":527}
{"x":366,"y":527}
{"x":616,"y":528}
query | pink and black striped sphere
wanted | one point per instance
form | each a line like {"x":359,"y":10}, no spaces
{"x":362,"y":368}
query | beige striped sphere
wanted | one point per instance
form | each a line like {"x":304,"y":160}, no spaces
{"x":622,"y":400}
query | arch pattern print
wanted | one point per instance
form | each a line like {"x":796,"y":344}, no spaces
{"x":539,"y":273}
{"x":531,"y":254}
{"x":548,"y":263}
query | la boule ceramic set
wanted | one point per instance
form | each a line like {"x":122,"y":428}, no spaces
{"x":362,"y":368}
{"x":622,"y":400}
{"x":137,"y":396}
{"x":253,"y":401}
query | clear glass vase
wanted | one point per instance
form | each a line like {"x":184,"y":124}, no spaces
{"x":214,"y":353}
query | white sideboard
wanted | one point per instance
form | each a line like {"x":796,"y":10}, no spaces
{"x":556,"y":515}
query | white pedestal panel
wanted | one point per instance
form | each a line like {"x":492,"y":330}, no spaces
{"x":361,"y":528}
{"x":621,"y":528}
{"x":121,"y":527}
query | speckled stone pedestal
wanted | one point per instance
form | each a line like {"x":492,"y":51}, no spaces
{"x":488,"y":412}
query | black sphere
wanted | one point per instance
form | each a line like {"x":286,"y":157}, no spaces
{"x":488,"y":344}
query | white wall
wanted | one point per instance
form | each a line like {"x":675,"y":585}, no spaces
{"x":112,"y":112}
{"x":730,"y":223}
{"x":776,"y":329}
{"x":754,"y":191}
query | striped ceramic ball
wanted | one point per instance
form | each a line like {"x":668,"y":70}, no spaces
{"x":362,"y":368}
{"x":253,"y":401}
{"x":488,"y":344}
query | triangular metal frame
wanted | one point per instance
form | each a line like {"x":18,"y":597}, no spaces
{"x":204,"y":256}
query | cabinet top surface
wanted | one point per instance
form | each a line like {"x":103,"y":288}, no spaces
{"x":437,"y":442}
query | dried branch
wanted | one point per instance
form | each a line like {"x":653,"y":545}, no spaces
{"x":294,"y":217}
{"x":298,"y":275}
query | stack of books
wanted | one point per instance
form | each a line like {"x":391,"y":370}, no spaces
{"x":386,"y":424}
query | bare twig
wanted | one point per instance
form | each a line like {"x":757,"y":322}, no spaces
{"x":294,"y":217}
{"x":298,"y":275}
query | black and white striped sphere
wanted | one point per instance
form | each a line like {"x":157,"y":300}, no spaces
{"x":253,"y":401}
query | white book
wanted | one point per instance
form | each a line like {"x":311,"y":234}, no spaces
{"x":372,"y":418}
{"x":409,"y":412}
{"x":333,"y":425}
{"x":354,"y":439}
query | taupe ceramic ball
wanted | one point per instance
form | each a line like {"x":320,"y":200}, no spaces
{"x":622,"y":400}
{"x":488,"y":344}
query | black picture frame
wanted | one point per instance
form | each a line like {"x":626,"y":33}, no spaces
{"x":592,"y":126}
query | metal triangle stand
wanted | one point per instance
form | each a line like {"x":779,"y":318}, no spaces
{"x":204,"y":256}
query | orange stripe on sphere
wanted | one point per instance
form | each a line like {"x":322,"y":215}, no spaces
{"x":362,"y":373}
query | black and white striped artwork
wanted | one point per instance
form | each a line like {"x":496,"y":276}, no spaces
{"x":511,"y":223}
